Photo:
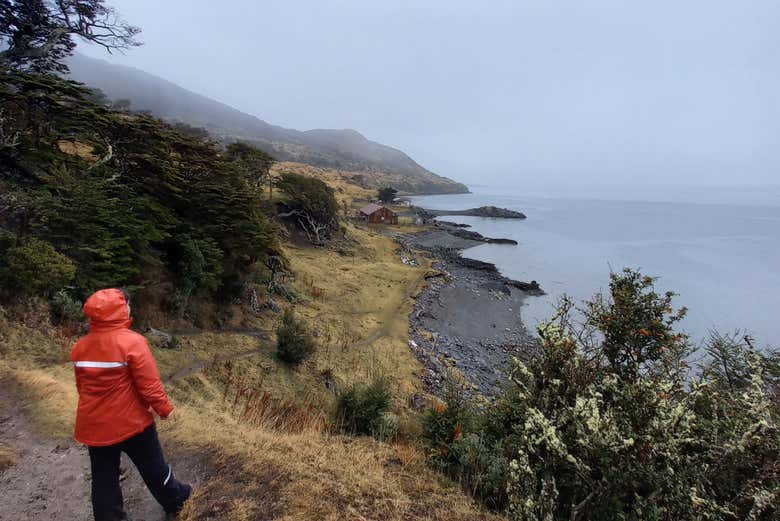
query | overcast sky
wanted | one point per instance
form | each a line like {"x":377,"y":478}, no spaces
{"x":541,"y":92}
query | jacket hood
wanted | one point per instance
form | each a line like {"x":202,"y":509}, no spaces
{"x":107,"y":309}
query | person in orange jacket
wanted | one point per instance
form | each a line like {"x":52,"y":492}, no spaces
{"x":119,"y":386}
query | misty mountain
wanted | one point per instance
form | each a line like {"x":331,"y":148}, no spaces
{"x":339,"y":149}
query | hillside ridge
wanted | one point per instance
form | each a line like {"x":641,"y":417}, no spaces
{"x":343,"y":149}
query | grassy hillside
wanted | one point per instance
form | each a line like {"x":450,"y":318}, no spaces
{"x":258,"y":436}
{"x":287,"y":460}
{"x":327,"y":148}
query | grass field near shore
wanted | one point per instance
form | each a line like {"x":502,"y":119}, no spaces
{"x":284,"y":462}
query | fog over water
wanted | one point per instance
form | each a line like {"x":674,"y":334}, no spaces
{"x":721,"y":258}
{"x":598,"y":95}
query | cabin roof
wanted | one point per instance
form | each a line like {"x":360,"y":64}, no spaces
{"x":370,"y":208}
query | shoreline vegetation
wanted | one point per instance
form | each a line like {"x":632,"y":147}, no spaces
{"x":603,"y":412}
{"x":334,"y":368}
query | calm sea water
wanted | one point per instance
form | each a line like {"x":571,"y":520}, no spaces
{"x":722,"y":258}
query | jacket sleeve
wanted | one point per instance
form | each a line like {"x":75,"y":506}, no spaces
{"x":146,"y":378}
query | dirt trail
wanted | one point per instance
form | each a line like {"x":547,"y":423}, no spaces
{"x":51,"y":478}
{"x":198,"y":365}
{"x":389,"y":317}
{"x":191,"y":369}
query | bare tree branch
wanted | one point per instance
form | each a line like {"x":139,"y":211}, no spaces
{"x":39,"y":34}
{"x":9,"y":139}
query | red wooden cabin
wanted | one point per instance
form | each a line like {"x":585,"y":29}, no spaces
{"x":376,"y":214}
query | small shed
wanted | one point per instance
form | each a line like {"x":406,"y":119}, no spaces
{"x":374,"y":213}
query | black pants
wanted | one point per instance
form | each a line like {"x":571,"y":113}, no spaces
{"x":146,"y":454}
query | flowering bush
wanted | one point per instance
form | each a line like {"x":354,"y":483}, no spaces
{"x":607,"y":420}
{"x":609,"y":423}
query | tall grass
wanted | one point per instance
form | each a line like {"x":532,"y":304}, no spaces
{"x":250,"y":404}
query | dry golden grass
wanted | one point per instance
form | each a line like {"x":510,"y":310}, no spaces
{"x":77,"y":148}
{"x":206,"y":347}
{"x":49,"y":395}
{"x":262,"y":426}
{"x":363,"y":308}
{"x":370,"y":181}
{"x":309,"y":474}
{"x":339,"y":180}
{"x":30,"y":336}
{"x":321,"y":476}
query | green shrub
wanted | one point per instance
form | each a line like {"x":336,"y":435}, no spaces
{"x":461,"y":445}
{"x":387,"y":426}
{"x":482,"y":467}
{"x":444,"y":423}
{"x":35,"y":267}
{"x":65,"y":308}
{"x":294,"y":343}
{"x":360,"y":409}
{"x":607,"y":422}
{"x":311,"y":204}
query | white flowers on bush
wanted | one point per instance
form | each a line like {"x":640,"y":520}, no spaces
{"x":596,"y":443}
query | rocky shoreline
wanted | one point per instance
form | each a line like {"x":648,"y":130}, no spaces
{"x":483,"y":211}
{"x":458,"y":231}
{"x":467,"y":319}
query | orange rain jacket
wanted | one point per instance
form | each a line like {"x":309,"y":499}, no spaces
{"x":116,"y":375}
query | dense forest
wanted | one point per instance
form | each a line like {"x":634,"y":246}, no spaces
{"x":94,"y":197}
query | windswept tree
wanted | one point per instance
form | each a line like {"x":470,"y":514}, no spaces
{"x":155,"y":197}
{"x":253,"y":163}
{"x":38,"y":34}
{"x":312,"y":204}
{"x":387,"y":194}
